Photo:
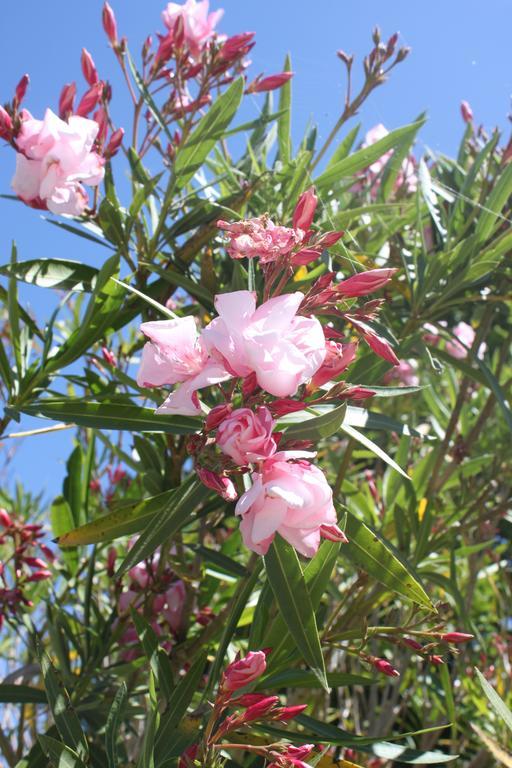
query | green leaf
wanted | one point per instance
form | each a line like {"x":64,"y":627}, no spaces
{"x":177,"y":707}
{"x":394,"y":166}
{"x":494,"y":203}
{"x":370,"y":552}
{"x":64,"y":715}
{"x":194,"y":151}
{"x":113,"y":723}
{"x":166,"y":523}
{"x":148,"y":99}
{"x":62,"y":522}
{"x":494,"y":386}
{"x":21,"y":694}
{"x":158,"y":659}
{"x":284,"y":139}
{"x":292,"y":596}
{"x":317,"y":427}
{"x":373,"y":447}
{"x":111,"y":416}
{"x":59,"y":755}
{"x":303,"y":678}
{"x":174,"y":277}
{"x":63,"y":274}
{"x":495,"y":701}
{"x":345,"y":169}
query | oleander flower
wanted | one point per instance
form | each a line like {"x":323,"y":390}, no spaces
{"x":291,"y":498}
{"x":282,"y":349}
{"x":54,"y":159}
{"x":463,"y":341}
{"x":198,"y":24}
{"x":406,"y":372}
{"x":243,"y":671}
{"x":246,"y":436}
{"x":260,"y":238}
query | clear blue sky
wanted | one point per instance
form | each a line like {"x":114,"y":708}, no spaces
{"x":460,"y":50}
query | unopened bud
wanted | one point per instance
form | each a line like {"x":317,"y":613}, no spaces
{"x":115,"y":142}
{"x":466,"y":111}
{"x":21,"y":89}
{"x":219,"y":483}
{"x":109,"y":24}
{"x":5,"y":124}
{"x":89,"y":100}
{"x":391,"y":45}
{"x":456,"y":637}
{"x":345,"y":58}
{"x":376,"y":35}
{"x":333,"y":533}
{"x":261,"y":709}
{"x":403,"y":54}
{"x":269,"y":83}
{"x":5,"y":518}
{"x":217,"y":415}
{"x":381,"y":665}
{"x":67,"y":100}
{"x":412,"y":644}
{"x":88,"y":67}
{"x":288,"y":713}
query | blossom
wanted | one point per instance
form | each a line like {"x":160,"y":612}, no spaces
{"x":241,"y":672}
{"x":405,"y":372}
{"x":465,"y":336}
{"x":198,"y":24}
{"x":289,"y":498}
{"x":261,"y":238}
{"x":172,"y":610}
{"x":246,"y":436}
{"x":283,"y":350}
{"x":53,"y":160}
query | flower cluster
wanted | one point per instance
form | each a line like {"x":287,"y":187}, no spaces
{"x":406,"y":179}
{"x":267,"y":361}
{"x":25,"y":560}
{"x":234,"y":710}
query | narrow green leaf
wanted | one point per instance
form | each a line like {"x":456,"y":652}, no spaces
{"x":284,"y":138}
{"x":21,"y":694}
{"x":373,"y":447}
{"x":494,"y":203}
{"x":292,"y":596}
{"x":317,"y":427}
{"x":194,"y":151}
{"x":59,"y":755}
{"x":63,"y":274}
{"x":495,"y":701}
{"x":370,"y":552}
{"x":303,"y":678}
{"x":113,"y":723}
{"x":159,"y":662}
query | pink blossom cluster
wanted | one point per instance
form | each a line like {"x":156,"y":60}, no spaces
{"x":25,"y":560}
{"x":267,"y":361}
{"x":462,"y":341}
{"x":407,"y":178}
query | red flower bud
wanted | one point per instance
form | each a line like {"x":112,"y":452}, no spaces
{"x":329,"y":238}
{"x":5,"y":518}
{"x":305,"y":256}
{"x":243,"y":671}
{"x":67,"y":100}
{"x":285,"y":405}
{"x":21,"y":89}
{"x":100,"y":117}
{"x":236,"y":46}
{"x":109,"y":23}
{"x":379,"y":345}
{"x":249,"y":699}
{"x":249,"y":385}
{"x":5,"y":124}
{"x":261,"y":709}
{"x":217,"y":415}
{"x":222,"y":484}
{"x":356,"y":393}
{"x":39,"y":575}
{"x":288,"y":713}
{"x":456,"y":637}
{"x":466,"y":111}
{"x":89,"y":100}
{"x":115,"y":142}
{"x":88,"y":67}
{"x":333,"y":533}
{"x":269,"y":83}
{"x":108,"y":356}
{"x":365,"y":282}
{"x":305,"y":210}
{"x":437,"y":660}
{"x":381,"y":665}
{"x":412,"y":644}
{"x":111,"y":560}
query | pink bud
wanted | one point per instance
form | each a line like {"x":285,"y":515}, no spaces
{"x":88,"y":67}
{"x":67,"y":100}
{"x":437,"y":660}
{"x":109,"y":23}
{"x":305,"y":256}
{"x":456,"y":637}
{"x":288,"y":713}
{"x":249,"y":699}
{"x":249,"y":385}
{"x":111,"y":560}
{"x":95,"y":485}
{"x":305,"y":210}
{"x":187,"y":758}
{"x":329,"y":238}
{"x":241,"y":672}
{"x":5,"y":519}
{"x":5,"y":124}
{"x":220,"y":483}
{"x":115,"y":142}
{"x":89,"y":100}
{"x":21,"y":89}
{"x":356,"y":393}
{"x":365,"y":282}
{"x":108,"y":356}
{"x":412,"y":644}
{"x":39,"y":575}
{"x":379,"y":345}
{"x":269,"y":83}
{"x":34,"y":562}
{"x":261,"y":709}
{"x":217,"y":415}
{"x":466,"y":111}
{"x":100,"y":117}
{"x":333,"y":533}
{"x":236,"y":46}
{"x":285,"y":405}
{"x":381,"y":665}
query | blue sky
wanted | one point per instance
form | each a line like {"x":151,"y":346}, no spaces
{"x":460,"y":50}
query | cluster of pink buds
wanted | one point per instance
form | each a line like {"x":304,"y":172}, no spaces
{"x":434,"y":639}
{"x":268,"y":361}
{"x":114,"y":476}
{"x":234,"y":710}
{"x":25,"y":560}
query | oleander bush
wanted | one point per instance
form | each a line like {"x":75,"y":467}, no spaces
{"x":285,"y":533}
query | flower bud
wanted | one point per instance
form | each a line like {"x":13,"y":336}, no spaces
{"x":249,"y":699}
{"x":365,"y":282}
{"x":108,"y":356}
{"x":100,"y":117}
{"x":456,"y":637}
{"x":466,"y":111}
{"x":269,"y":83}
{"x":391,"y":44}
{"x":111,"y":561}
{"x":5,"y":518}
{"x":305,"y":256}
{"x":437,"y":660}
{"x":115,"y":142}
{"x":5,"y":124}
{"x":217,"y":415}
{"x":39,"y":575}
{"x":88,"y":67}
{"x":236,"y":46}
{"x":109,"y":23}
{"x":345,"y":58}
{"x":305,"y":210}
{"x":412,"y":643}
{"x":21,"y":89}
{"x":333,"y":533}
{"x":285,"y":405}
{"x":381,"y":665}
{"x":67,"y":100}
{"x":402,"y":54}
{"x":89,"y":100}
{"x":241,"y":672}
{"x":376,"y":35}
{"x":329,"y":238}
{"x":220,"y":483}
{"x":261,"y":709}
{"x":288,"y":713}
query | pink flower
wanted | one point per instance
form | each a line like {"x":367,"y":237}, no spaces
{"x":305,"y":210}
{"x":289,"y":498}
{"x":198,"y":24}
{"x":407,"y":175}
{"x":175,"y":354}
{"x":283,"y":350}
{"x":292,"y":758}
{"x":405,"y":372}
{"x":246,"y":436}
{"x":464,"y":333}
{"x":260,"y":238}
{"x":54,"y":158}
{"x":174,"y":604}
{"x":241,"y":672}
{"x":337,"y":359}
